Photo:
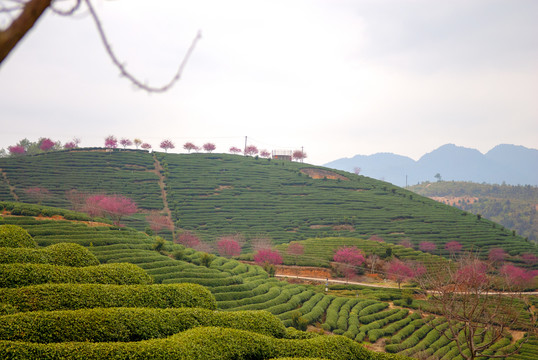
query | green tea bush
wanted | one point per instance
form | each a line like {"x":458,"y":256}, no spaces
{"x":15,"y":236}
{"x":14,"y":275}
{"x":207,"y":343}
{"x":66,"y":254}
{"x":128,"y":324}
{"x":78,"y":296}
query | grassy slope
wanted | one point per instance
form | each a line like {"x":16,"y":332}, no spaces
{"x":219,"y":194}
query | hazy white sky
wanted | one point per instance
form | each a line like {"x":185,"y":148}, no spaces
{"x":337,"y":77}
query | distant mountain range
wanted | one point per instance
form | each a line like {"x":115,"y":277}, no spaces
{"x":512,"y":164}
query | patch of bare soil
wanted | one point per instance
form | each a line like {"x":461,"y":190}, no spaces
{"x":320,"y":174}
{"x":378,"y":346}
{"x":453,"y":200}
{"x":343,"y":227}
{"x":307,"y":271}
{"x":318,"y":226}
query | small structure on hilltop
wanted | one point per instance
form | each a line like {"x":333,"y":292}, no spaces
{"x":282,"y":154}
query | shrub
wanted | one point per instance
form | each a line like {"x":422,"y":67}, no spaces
{"x":209,"y":343}
{"x":69,"y":254}
{"x":13,"y":275}
{"x":128,"y":324}
{"x":79,"y":296}
{"x":15,"y":236}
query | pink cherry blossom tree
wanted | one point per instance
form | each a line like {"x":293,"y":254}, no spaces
{"x":376,"y":238}
{"x":92,"y":205}
{"x":187,"y":239}
{"x":157,"y":222}
{"x":189,"y":146}
{"x":497,"y":255}
{"x":348,"y":259}
{"x":427,"y":246}
{"x":265,"y":153}
{"x":70,"y":145}
{"x":453,"y":247}
{"x":125,"y":142}
{"x":111,"y":142}
{"x":235,"y":150}
{"x":46,"y":144}
{"x":399,"y":271}
{"x":145,"y":146}
{"x":268,"y":258}
{"x":209,"y":147}
{"x":38,"y":194}
{"x":299,"y":155}
{"x":167,"y":144}
{"x":116,"y":207}
{"x":529,"y":259}
{"x":516,"y":275}
{"x":228,"y":247}
{"x":295,"y":250}
{"x":251,"y":150}
{"x":406,"y":243}
{"x":16,"y":150}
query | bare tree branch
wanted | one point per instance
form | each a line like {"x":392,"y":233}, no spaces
{"x":31,"y":12}
{"x":121,"y":66}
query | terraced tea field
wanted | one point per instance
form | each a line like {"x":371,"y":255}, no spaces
{"x":219,"y":194}
{"x":241,"y":287}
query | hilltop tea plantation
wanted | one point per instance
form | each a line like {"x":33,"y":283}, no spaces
{"x":214,"y":195}
{"x":73,"y":286}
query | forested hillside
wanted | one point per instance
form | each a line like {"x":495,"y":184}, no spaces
{"x":514,"y":207}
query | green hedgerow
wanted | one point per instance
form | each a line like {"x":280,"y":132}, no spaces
{"x":15,"y":236}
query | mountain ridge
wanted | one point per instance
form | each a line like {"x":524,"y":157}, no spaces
{"x":504,"y":163}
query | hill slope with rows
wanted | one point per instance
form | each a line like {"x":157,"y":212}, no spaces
{"x":219,"y":194}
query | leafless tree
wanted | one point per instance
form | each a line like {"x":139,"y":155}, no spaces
{"x":21,"y":16}
{"x":480,"y":307}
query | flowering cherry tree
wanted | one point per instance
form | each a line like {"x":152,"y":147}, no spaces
{"x":497,"y":255}
{"x":137,"y":142}
{"x":145,"y":146}
{"x":453,"y":247}
{"x":16,"y":150}
{"x":113,"y":206}
{"x":251,"y":150}
{"x":516,"y":275}
{"x":189,"y":146}
{"x":348,"y":259}
{"x":70,"y":145}
{"x":38,"y":194}
{"x":46,"y":144}
{"x":111,"y":142}
{"x":235,"y":150}
{"x":228,"y":247}
{"x":406,"y":243}
{"x":399,"y":271}
{"x":299,"y":155}
{"x":265,"y":153}
{"x":529,"y":259}
{"x":427,"y":246}
{"x":188,"y":239}
{"x":125,"y":142}
{"x":268,"y":258}
{"x":376,"y":238}
{"x":209,"y":147}
{"x":167,"y":144}
{"x":157,"y":222}
{"x":295,"y":250}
